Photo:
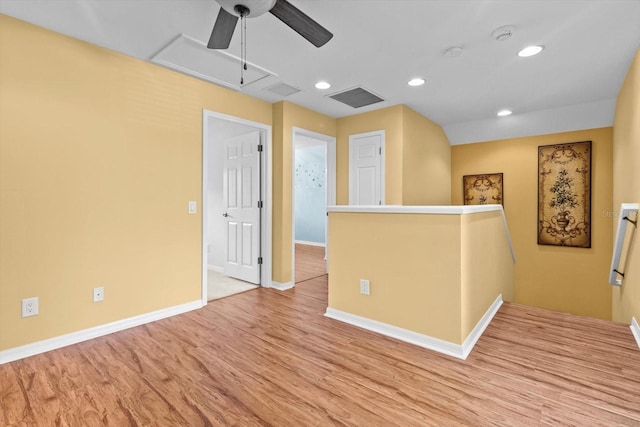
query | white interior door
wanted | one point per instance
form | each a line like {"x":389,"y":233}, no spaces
{"x":241,"y":197}
{"x":366,"y":168}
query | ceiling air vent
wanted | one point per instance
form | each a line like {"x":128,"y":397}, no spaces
{"x":282,"y":89}
{"x":356,"y":97}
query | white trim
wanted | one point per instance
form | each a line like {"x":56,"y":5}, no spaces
{"x":635,"y":330}
{"x":383,"y":155}
{"x":482,"y":324}
{"x":266,"y":188}
{"x":425,"y":341}
{"x":399,"y":209}
{"x":32,"y":349}
{"x":281,"y":286}
{"x":305,"y":242}
{"x":215,"y":268}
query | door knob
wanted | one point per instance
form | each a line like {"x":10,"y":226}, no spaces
{"x":225,"y":214}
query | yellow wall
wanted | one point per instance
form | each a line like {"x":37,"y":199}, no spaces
{"x":571,"y":280}
{"x":388,"y":119}
{"x":436,"y":275}
{"x":487,"y":266}
{"x":286,"y":116}
{"x":626,"y":187}
{"x":395,"y":259}
{"x":417,"y":156}
{"x":426,"y":161}
{"x":99,"y":155}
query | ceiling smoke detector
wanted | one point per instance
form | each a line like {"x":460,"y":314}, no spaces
{"x":503,"y":33}
{"x":453,"y":51}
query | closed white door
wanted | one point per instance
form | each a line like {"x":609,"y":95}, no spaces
{"x":241,"y":201}
{"x":366,"y":168}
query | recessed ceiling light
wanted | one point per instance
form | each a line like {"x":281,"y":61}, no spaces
{"x":504,"y":113}
{"x":322,"y":85}
{"x":530,"y":51}
{"x":416,"y":82}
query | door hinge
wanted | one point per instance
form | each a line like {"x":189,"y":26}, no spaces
{"x":259,"y":148}
{"x":259,"y":204}
{"x":380,"y":151}
{"x":259,"y":260}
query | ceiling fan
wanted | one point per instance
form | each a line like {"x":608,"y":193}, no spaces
{"x":231,"y":10}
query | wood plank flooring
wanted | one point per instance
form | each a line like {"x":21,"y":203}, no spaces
{"x":309,"y":262}
{"x":267,"y":357}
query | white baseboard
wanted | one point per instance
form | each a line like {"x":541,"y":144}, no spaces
{"x":425,"y":341}
{"x":635,"y":330}
{"x":482,"y":324}
{"x":27,"y":350}
{"x":280,"y":286}
{"x":305,"y":242}
{"x":215,"y":268}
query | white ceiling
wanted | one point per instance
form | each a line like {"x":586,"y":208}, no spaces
{"x":381,"y":44}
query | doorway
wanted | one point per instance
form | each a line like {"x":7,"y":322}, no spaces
{"x":226,"y":223}
{"x":313,"y":189}
{"x":366,"y":168}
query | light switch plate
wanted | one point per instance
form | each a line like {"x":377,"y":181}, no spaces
{"x":364,"y":287}
{"x":193,"y":207}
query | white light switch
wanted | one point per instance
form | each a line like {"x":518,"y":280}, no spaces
{"x":364,"y":287}
{"x":193,"y":207}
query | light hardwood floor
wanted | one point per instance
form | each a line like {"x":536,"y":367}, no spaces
{"x":309,"y":262}
{"x":268,"y":357}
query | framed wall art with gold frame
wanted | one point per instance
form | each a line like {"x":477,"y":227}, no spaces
{"x":564,"y":194}
{"x":485,"y":189}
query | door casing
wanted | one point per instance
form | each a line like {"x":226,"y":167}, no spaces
{"x":266,"y":190}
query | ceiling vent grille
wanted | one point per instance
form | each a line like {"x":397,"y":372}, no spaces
{"x":356,"y":97}
{"x":282,"y":89}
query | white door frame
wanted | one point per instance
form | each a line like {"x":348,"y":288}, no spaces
{"x":380,"y":133}
{"x":330,"y":143}
{"x":266,"y":189}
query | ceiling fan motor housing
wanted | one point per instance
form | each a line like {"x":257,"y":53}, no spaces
{"x":247,"y":8}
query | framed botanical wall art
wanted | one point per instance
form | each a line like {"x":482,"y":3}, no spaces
{"x":564,"y":194}
{"x":483,"y":189}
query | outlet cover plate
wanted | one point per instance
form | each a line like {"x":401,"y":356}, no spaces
{"x":98,"y":294}
{"x":30,"y":307}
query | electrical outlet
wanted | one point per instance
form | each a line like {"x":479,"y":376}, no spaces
{"x":364,"y":287}
{"x":98,"y":294}
{"x":30,"y":307}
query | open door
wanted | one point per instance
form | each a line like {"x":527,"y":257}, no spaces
{"x":242,"y":203}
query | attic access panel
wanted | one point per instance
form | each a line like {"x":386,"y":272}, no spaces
{"x":191,"y":56}
{"x":356,"y":97}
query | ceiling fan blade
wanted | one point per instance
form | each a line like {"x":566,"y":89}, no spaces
{"x":222,"y":30}
{"x":301,"y":23}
